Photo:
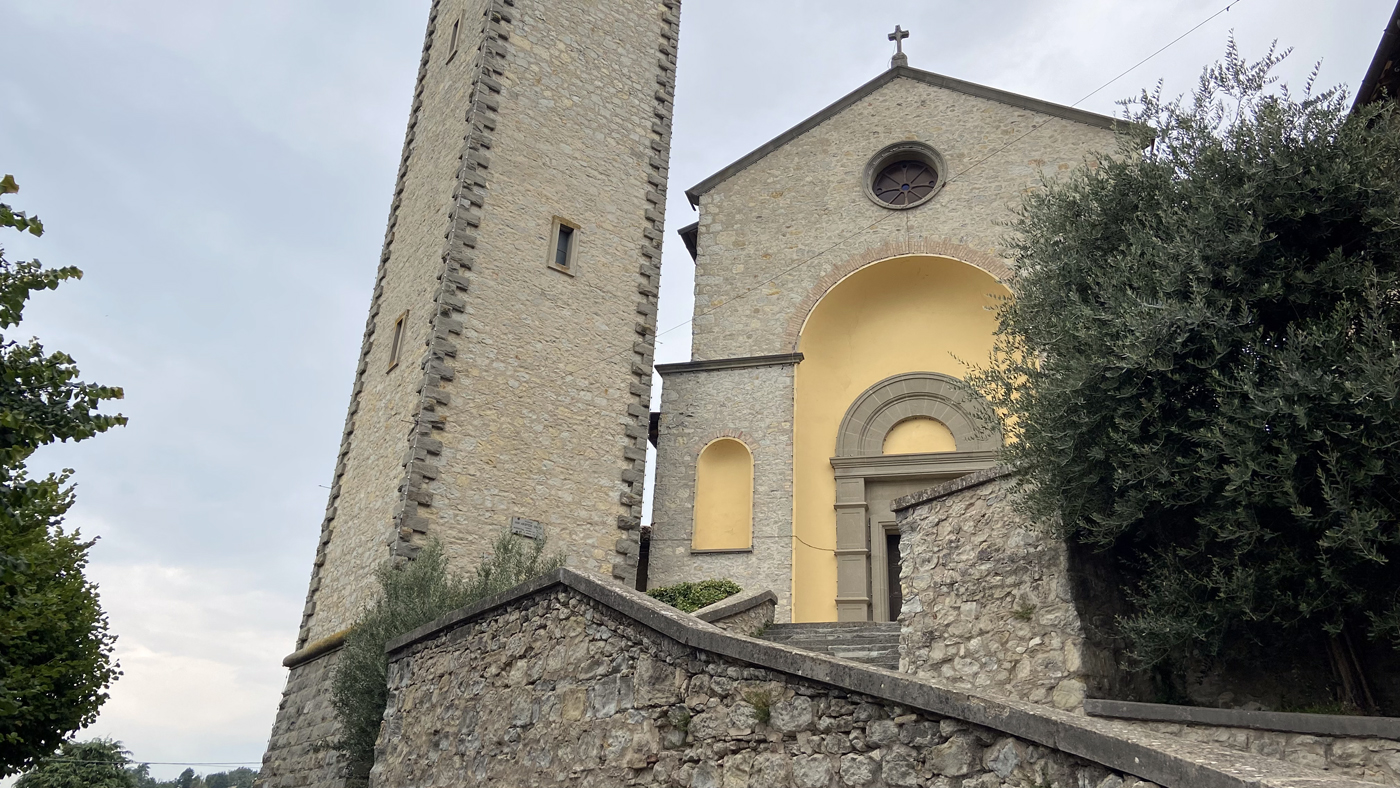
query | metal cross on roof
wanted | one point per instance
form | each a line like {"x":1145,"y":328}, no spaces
{"x":898,"y":36}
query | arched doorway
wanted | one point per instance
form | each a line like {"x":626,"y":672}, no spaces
{"x":880,"y":348}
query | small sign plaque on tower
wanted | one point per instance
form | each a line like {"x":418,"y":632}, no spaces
{"x":528,"y":528}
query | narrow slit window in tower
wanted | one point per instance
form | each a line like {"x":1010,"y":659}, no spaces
{"x":452,"y":40}
{"x":398,"y":341}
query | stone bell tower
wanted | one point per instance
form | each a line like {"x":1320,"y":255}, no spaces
{"x":505,"y":374}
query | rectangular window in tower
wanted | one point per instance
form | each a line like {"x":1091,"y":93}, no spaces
{"x":563,"y":246}
{"x":397,"y":343}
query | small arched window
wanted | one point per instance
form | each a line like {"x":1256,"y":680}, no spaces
{"x":723,"y":497}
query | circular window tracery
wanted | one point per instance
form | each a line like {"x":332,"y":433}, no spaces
{"x":905,"y":182}
{"x":904,"y":175}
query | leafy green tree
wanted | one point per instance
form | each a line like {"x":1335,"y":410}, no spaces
{"x":100,"y":763}
{"x":242,"y":777}
{"x":411,"y":595}
{"x":55,"y":650}
{"x":1201,"y":367}
{"x":186,"y":779}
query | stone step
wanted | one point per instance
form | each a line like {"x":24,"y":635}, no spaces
{"x":827,"y":637}
{"x":812,"y":630}
{"x":872,"y":643}
{"x":857,"y":626}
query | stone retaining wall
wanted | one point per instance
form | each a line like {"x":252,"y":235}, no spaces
{"x":568,"y":681}
{"x":743,"y":614}
{"x":989,"y":604}
{"x":988,"y":601}
{"x":1372,"y":760}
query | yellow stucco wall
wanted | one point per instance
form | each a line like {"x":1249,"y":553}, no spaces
{"x":901,"y":315}
{"x":723,"y":497}
{"x":918,"y":435}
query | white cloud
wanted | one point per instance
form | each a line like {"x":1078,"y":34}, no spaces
{"x":200,"y":654}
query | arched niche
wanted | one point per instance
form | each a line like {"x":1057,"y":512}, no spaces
{"x":723,"y":517}
{"x":868,"y":326}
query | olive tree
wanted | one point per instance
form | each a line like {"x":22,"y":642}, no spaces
{"x":1200,"y":367}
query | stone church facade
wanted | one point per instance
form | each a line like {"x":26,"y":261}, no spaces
{"x":830,"y":323}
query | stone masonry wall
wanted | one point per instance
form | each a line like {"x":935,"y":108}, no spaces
{"x":988,"y":601}
{"x":743,"y":614}
{"x":988,"y":604}
{"x":753,"y":404}
{"x":558,"y":690}
{"x":304,"y":721}
{"x":750,"y":622}
{"x":807,"y":199}
{"x":544,"y":415}
{"x":520,"y":389}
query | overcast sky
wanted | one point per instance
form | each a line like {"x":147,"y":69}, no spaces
{"x":221,"y":170}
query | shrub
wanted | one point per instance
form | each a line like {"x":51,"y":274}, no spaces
{"x":1199,"y":367}
{"x":412,"y":595}
{"x":690,"y":597}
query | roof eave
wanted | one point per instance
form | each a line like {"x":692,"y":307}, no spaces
{"x":1387,"y":52}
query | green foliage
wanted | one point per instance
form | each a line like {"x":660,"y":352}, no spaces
{"x":1024,"y":613}
{"x":412,"y":595}
{"x":679,"y":717}
{"x":762,"y":703}
{"x":242,"y":777}
{"x":100,"y":763}
{"x":55,"y":651}
{"x":1201,"y":364}
{"x":690,"y":597}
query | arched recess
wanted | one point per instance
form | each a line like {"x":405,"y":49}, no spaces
{"x":885,"y":343}
{"x":723,"y":518}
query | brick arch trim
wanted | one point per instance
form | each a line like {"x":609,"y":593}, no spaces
{"x":904,"y":247}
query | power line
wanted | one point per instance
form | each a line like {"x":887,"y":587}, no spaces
{"x":156,"y":763}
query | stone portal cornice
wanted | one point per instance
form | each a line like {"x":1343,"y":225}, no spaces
{"x":741,"y":362}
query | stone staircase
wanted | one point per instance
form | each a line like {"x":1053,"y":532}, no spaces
{"x":870,"y":642}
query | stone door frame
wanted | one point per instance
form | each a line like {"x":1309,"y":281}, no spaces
{"x":862,"y":594}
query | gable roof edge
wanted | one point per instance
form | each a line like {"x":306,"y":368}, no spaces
{"x":919,"y":75}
